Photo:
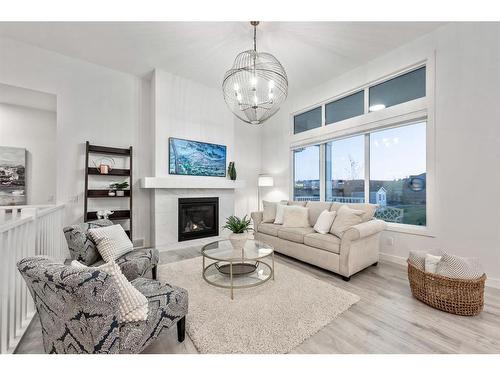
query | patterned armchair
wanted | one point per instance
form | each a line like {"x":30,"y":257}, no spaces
{"x":78,"y":309}
{"x":81,"y":248}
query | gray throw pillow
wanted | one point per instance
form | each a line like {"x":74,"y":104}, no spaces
{"x":457,"y":267}
{"x":269,"y":213}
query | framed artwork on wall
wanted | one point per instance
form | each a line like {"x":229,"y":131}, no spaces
{"x":12,"y":176}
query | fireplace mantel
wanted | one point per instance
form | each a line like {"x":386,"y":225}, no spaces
{"x":190,"y":182}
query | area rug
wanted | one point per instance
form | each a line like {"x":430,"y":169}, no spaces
{"x":271,"y":318}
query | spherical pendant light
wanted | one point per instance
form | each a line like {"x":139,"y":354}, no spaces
{"x":256,"y":85}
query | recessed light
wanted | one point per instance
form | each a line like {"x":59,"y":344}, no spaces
{"x":376,"y":107}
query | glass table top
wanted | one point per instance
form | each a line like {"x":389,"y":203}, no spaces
{"x":223,"y":250}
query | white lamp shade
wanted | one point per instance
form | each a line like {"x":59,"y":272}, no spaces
{"x":266,"y":181}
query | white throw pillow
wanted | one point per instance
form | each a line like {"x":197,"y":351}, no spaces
{"x":269,"y":213}
{"x":280,"y":213}
{"x":296,"y":217}
{"x":112,"y":242}
{"x":346,"y":217}
{"x":325,"y":221}
{"x":431,"y":262}
{"x":132,"y":304}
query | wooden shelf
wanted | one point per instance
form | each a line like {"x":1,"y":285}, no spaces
{"x":109,"y":150}
{"x":104,"y":194}
{"x":113,"y":172}
{"x":117,"y":215}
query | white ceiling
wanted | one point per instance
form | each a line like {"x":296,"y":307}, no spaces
{"x":311,"y":52}
{"x":27,"y":98}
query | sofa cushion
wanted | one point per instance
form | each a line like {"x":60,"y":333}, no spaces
{"x":315,"y":209}
{"x":269,"y":213}
{"x":270,"y":229}
{"x":368,"y":208}
{"x":344,"y":219}
{"x":327,"y":242}
{"x":294,"y":234}
{"x":81,"y":247}
{"x":296,"y":217}
{"x":297,"y":203}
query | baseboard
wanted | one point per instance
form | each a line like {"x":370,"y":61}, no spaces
{"x":490,"y":282}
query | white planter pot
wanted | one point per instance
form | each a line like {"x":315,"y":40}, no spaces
{"x":120,"y":193}
{"x":238,"y":240}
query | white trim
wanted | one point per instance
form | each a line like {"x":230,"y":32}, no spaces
{"x":410,"y":229}
{"x":395,"y":259}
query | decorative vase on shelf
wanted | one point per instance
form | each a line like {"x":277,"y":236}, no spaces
{"x":120,"y":193}
{"x":231,"y":171}
{"x":111,"y":193}
{"x":238,"y":240}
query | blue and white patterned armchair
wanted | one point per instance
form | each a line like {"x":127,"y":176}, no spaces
{"x":81,"y":248}
{"x":78,"y":309}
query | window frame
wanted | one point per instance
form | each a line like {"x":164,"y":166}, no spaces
{"x":417,"y":110}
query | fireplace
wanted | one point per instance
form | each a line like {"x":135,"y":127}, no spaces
{"x":198,"y":218}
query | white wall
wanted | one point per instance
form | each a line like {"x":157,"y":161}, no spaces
{"x":94,"y":103}
{"x":467,"y":138}
{"x":34,"y":130}
{"x":185,"y":109}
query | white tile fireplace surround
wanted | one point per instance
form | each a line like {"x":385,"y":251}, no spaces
{"x":165,"y":203}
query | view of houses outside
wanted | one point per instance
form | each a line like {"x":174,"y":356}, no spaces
{"x":397,"y":173}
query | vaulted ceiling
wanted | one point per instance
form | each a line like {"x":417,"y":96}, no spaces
{"x":311,"y":52}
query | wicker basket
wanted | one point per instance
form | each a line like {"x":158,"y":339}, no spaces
{"x":456,"y":296}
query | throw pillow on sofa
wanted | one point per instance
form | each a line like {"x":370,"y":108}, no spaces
{"x":269,"y":213}
{"x":457,"y":267}
{"x":324,"y":222}
{"x":112,"y":242}
{"x":132,"y":304}
{"x":346,"y":217}
{"x":280,"y":213}
{"x":296,"y":217}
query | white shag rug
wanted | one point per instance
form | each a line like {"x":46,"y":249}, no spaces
{"x":270,"y":318}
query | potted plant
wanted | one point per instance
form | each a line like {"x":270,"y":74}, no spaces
{"x":118,"y":187}
{"x":239,"y":228}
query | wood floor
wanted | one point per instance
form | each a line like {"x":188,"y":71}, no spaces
{"x":387,"y":319}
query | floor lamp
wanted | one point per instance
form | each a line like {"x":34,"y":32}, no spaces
{"x":264,"y":180}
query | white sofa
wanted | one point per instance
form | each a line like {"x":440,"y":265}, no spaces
{"x":357,"y":249}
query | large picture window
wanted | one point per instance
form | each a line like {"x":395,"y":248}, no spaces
{"x":306,"y":184}
{"x":398,"y":174}
{"x":345,"y":170}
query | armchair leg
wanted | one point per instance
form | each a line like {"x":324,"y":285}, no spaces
{"x":375,"y":264}
{"x":154,"y":271}
{"x":346,"y":278}
{"x":181,"y":329}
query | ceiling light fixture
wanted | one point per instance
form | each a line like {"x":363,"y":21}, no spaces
{"x":256,"y":85}
{"x":376,"y":107}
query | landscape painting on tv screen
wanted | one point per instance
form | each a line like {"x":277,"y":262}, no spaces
{"x":196,"y":158}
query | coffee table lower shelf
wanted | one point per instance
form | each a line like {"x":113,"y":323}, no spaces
{"x":237,"y":275}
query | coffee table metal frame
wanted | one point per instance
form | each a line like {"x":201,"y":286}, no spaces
{"x":233,"y":262}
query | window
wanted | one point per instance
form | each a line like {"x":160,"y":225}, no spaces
{"x":307,"y":120}
{"x":306,"y":173}
{"x":345,"y":172}
{"x":342,"y":109}
{"x":398,"y":90}
{"x":398,"y":174}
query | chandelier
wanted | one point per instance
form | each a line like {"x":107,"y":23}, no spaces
{"x":256,"y":85}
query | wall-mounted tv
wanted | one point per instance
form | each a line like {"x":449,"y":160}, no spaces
{"x":196,"y":158}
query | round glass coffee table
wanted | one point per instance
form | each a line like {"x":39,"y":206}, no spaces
{"x":237,"y":268}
